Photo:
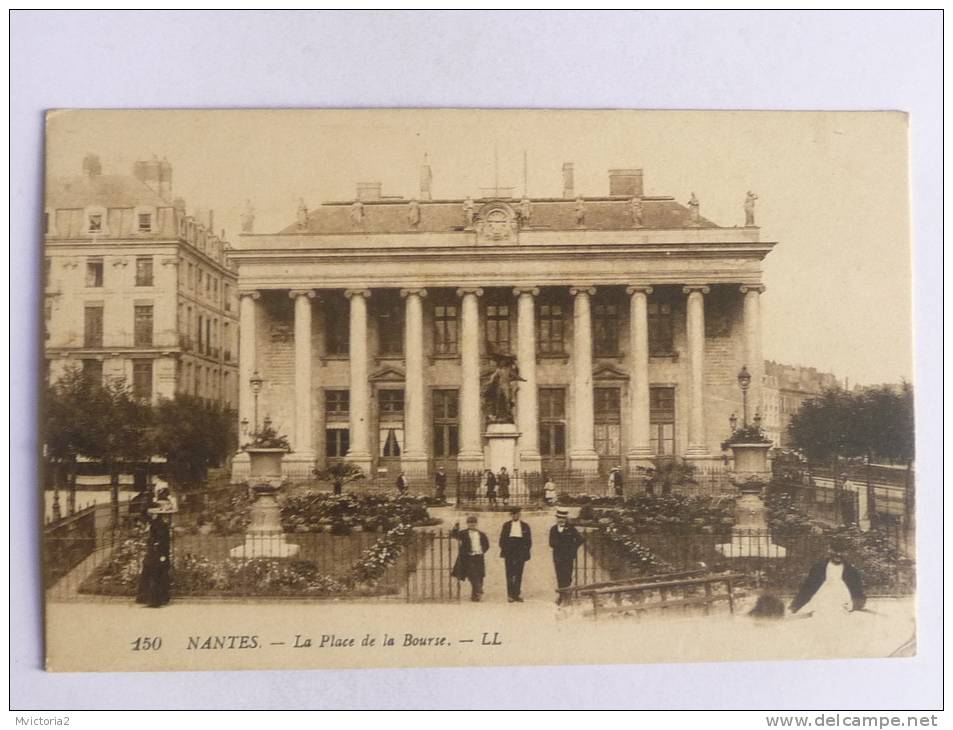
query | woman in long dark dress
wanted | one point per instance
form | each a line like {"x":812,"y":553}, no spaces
{"x":155,"y":578}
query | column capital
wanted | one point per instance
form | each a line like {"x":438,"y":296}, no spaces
{"x":469,"y":290}
{"x":759,"y":288}
{"x":639,"y":289}
{"x":295,"y":293}
{"x":174,"y":262}
{"x":582,"y":289}
{"x":420,"y":292}
{"x":531,"y":290}
{"x":253,"y":293}
{"x":702,"y":288}
{"x":366,"y":293}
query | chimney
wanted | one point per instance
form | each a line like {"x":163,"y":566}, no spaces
{"x":92,"y":166}
{"x":625,"y":183}
{"x":148,"y":172}
{"x":426,"y":179}
{"x":211,"y":222}
{"x":568,"y":187}
{"x":369,"y":191}
{"x":165,"y":178}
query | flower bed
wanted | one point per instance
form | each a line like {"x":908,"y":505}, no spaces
{"x":340,"y":514}
{"x":194,"y":574}
{"x":673,"y":513}
{"x":571,"y":500}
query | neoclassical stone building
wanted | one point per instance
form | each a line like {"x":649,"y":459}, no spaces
{"x":371,"y":323}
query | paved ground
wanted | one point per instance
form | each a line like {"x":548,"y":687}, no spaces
{"x":539,"y":576}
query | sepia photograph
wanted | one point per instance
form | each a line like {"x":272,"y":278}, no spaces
{"x":366,"y":388}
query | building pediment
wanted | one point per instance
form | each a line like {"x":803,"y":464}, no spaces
{"x":605,"y":371}
{"x":388,"y":375}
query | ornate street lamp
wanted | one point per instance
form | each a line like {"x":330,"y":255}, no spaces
{"x":255,"y":381}
{"x":744,"y":380}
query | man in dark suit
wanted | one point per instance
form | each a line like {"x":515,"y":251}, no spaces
{"x":470,"y":564}
{"x":831,"y":584}
{"x":440,"y":482}
{"x":515,"y":545}
{"x":565,"y":540}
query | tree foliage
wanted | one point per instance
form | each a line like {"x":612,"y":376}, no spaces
{"x":193,"y":435}
{"x":106,"y":423}
{"x":876,"y":423}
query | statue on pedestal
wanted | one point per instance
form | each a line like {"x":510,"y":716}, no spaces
{"x":499,"y":392}
{"x":302,"y":215}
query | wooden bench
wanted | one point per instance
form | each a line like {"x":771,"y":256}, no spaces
{"x":573,"y":592}
{"x":661,"y":593}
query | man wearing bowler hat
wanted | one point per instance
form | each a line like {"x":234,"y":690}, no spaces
{"x":565,"y":540}
{"x":515,"y":545}
{"x":470,"y":564}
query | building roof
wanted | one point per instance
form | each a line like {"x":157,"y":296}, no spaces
{"x":441,"y":216}
{"x":107,"y":191}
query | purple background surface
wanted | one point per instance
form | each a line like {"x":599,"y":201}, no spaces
{"x":686,"y":60}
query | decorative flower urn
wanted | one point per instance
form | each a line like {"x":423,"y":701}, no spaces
{"x":751,"y":461}
{"x":265,"y":537}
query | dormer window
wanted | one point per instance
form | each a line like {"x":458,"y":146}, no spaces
{"x":145,"y":222}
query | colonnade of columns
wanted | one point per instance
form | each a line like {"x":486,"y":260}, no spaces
{"x":582,"y":454}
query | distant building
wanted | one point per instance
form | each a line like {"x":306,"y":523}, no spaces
{"x":375,"y":322}
{"x":786,"y":387}
{"x":135,"y":288}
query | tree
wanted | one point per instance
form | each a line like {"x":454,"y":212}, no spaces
{"x":193,"y":435}
{"x":69,"y":420}
{"x":875,"y":423}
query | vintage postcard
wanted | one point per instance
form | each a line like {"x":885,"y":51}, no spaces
{"x":400,"y":388}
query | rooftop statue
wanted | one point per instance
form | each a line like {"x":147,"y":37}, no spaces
{"x":749,"y":208}
{"x":468,"y":210}
{"x":248,"y":218}
{"x":635,"y":206}
{"x":580,"y":211}
{"x":693,"y":207}
{"x":413,"y":213}
{"x":357,"y":212}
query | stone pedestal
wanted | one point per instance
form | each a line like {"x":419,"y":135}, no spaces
{"x":750,"y":537}
{"x":265,"y":537}
{"x":501,"y":441}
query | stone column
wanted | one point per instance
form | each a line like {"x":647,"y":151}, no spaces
{"x":247,"y":364}
{"x":697,"y":445}
{"x":413,"y":459}
{"x":527,"y":411}
{"x":302,"y":457}
{"x":470,"y":457}
{"x":582,"y":455}
{"x":754,"y":360}
{"x":640,"y":450}
{"x":360,"y":415}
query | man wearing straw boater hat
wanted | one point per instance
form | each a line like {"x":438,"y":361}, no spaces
{"x":565,"y":540}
